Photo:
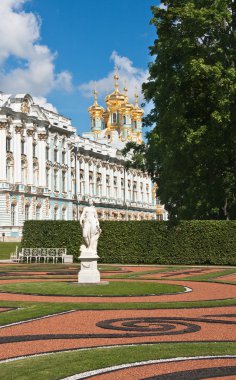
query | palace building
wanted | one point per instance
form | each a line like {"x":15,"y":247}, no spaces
{"x":48,"y":172}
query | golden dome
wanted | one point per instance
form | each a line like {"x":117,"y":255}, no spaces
{"x":137,"y":111}
{"x":116,"y":98}
{"x":95,"y":109}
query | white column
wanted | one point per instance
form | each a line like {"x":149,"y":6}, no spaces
{"x":29,"y":150}
{"x":68,"y":158}
{"x":138,"y":189}
{"x":42,"y":159}
{"x":94,"y":179}
{"x":17,"y":154}
{"x":111,"y":182}
{"x":3,"y":152}
{"x":150,"y":192}
{"x":104,"y":185}
{"x":119,"y":195}
{"x":126,"y":186}
{"x":86,"y":178}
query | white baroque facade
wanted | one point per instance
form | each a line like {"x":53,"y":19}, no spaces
{"x":48,"y":172}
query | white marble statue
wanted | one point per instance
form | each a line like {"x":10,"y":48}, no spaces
{"x":91,"y":228}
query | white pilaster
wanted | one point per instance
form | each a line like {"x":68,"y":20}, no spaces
{"x":104,"y":185}
{"x":3,"y":152}
{"x":41,"y":157}
{"x":86,"y":178}
{"x":17,"y":154}
{"x":29,"y":149}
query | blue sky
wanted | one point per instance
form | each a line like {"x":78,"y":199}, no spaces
{"x":56,"y":49}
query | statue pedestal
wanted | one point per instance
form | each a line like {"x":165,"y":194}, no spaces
{"x":89,"y":273}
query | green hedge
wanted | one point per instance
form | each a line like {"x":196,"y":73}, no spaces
{"x":143,"y":242}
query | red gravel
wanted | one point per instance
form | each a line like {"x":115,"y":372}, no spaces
{"x":146,"y":371}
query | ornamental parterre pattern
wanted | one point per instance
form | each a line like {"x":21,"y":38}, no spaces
{"x":77,"y":329}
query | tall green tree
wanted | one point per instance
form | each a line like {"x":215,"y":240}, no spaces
{"x":191,"y":148}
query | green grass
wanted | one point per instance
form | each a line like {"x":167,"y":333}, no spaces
{"x":6,"y":249}
{"x":29,"y":310}
{"x":73,"y":289}
{"x":210,"y":276}
{"x":60,"y":365}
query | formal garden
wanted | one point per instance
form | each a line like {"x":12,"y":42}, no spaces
{"x":142,"y":316}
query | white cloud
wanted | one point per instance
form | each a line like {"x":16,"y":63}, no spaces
{"x":20,"y":34}
{"x":42,"y":102}
{"x":129,"y":76}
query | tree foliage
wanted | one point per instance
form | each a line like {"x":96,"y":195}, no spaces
{"x":191,"y":149}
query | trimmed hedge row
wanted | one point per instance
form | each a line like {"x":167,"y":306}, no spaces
{"x":143,"y":242}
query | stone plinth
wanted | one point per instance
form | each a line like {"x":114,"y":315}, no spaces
{"x":89,"y":273}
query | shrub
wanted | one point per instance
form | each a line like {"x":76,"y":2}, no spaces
{"x":143,"y":242}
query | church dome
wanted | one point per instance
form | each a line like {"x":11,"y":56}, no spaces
{"x":116,"y":98}
{"x":95,"y":109}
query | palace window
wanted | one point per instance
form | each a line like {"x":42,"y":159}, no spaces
{"x":55,"y":155}
{"x":135,"y":124}
{"x":93,"y":123}
{"x":129,"y":189}
{"x":8,"y":144}
{"x":47,"y":152}
{"x":22,"y":146}
{"x":90,"y":183}
{"x":81,"y":182}
{"x":147,"y":191}
{"x":27,"y":212}
{"x":99,"y":185}
{"x":124,"y":119}
{"x":114,"y":118}
{"x":108,"y":185}
{"x":115,"y":187}
{"x":135,"y":191}
{"x":34,"y":150}
{"x":63,"y":181}
{"x":38,"y":212}
{"x":55,"y":180}
{"x":63,"y":157}
{"x":63,"y":213}
{"x":73,"y":182}
{"x":13,"y":214}
{"x":47,"y":177}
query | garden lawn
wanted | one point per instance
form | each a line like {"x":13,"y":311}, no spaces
{"x":73,"y":289}
{"x":60,"y":365}
{"x":6,"y":249}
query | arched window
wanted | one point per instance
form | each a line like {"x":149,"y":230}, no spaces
{"x":93,"y":123}
{"x":91,"y":183}
{"x":99,"y":185}
{"x":55,"y":180}
{"x":135,"y":124}
{"x":27,"y":207}
{"x":63,"y":181}
{"x":114,"y":118}
{"x":124,"y":119}
{"x":13,"y":214}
